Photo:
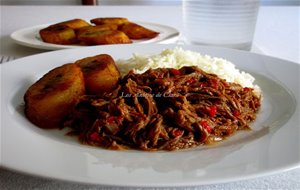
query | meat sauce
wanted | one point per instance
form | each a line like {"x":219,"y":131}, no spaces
{"x":164,"y":109}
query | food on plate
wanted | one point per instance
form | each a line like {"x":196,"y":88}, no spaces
{"x":178,"y":57}
{"x":109,"y":20}
{"x":104,"y":37}
{"x":136,"y":31}
{"x":173,"y":100}
{"x":63,"y":33}
{"x":101,"y":31}
{"x":74,"y":23}
{"x":165,"y":109}
{"x":49,"y":100}
{"x":58,"y":34}
{"x":100,"y":72}
{"x":168,"y":102}
{"x":96,"y":28}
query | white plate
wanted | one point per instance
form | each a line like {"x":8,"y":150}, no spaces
{"x":30,"y":36}
{"x":272,"y":146}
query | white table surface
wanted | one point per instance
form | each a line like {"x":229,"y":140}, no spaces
{"x":277,"y":35}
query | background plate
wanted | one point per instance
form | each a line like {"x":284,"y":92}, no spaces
{"x":272,"y":146}
{"x":30,"y":36}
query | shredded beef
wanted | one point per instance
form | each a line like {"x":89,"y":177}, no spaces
{"x":164,"y":109}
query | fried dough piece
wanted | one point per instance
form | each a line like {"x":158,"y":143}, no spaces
{"x":104,"y":37}
{"x":48,"y":101}
{"x":109,"y":20}
{"x":136,"y":31}
{"x":92,"y":29}
{"x":58,"y":34}
{"x":100,"y":74}
{"x":74,"y":23}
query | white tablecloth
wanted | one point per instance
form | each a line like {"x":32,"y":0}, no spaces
{"x":277,"y":34}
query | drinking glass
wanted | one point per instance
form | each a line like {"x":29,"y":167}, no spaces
{"x":226,"y":23}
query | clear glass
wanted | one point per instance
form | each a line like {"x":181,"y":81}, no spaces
{"x":226,"y":23}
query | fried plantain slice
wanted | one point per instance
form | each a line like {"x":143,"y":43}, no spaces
{"x":103,"y":37}
{"x":109,"y":20}
{"x":100,"y":73}
{"x":136,"y":31}
{"x":58,"y":34}
{"x":74,"y":23}
{"x":92,"y":29}
{"x":48,"y":101}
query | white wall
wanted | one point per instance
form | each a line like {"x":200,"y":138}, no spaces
{"x":177,"y":2}
{"x":126,"y":2}
{"x":139,"y":2}
{"x":40,"y":2}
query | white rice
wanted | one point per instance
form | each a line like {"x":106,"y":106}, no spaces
{"x":177,"y":58}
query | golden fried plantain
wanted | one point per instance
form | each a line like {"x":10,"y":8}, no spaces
{"x":136,"y":31}
{"x":92,"y":29}
{"x":74,"y":23}
{"x":103,"y":37}
{"x":109,"y":20}
{"x":48,"y":101}
{"x":100,"y":74}
{"x":58,"y":34}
